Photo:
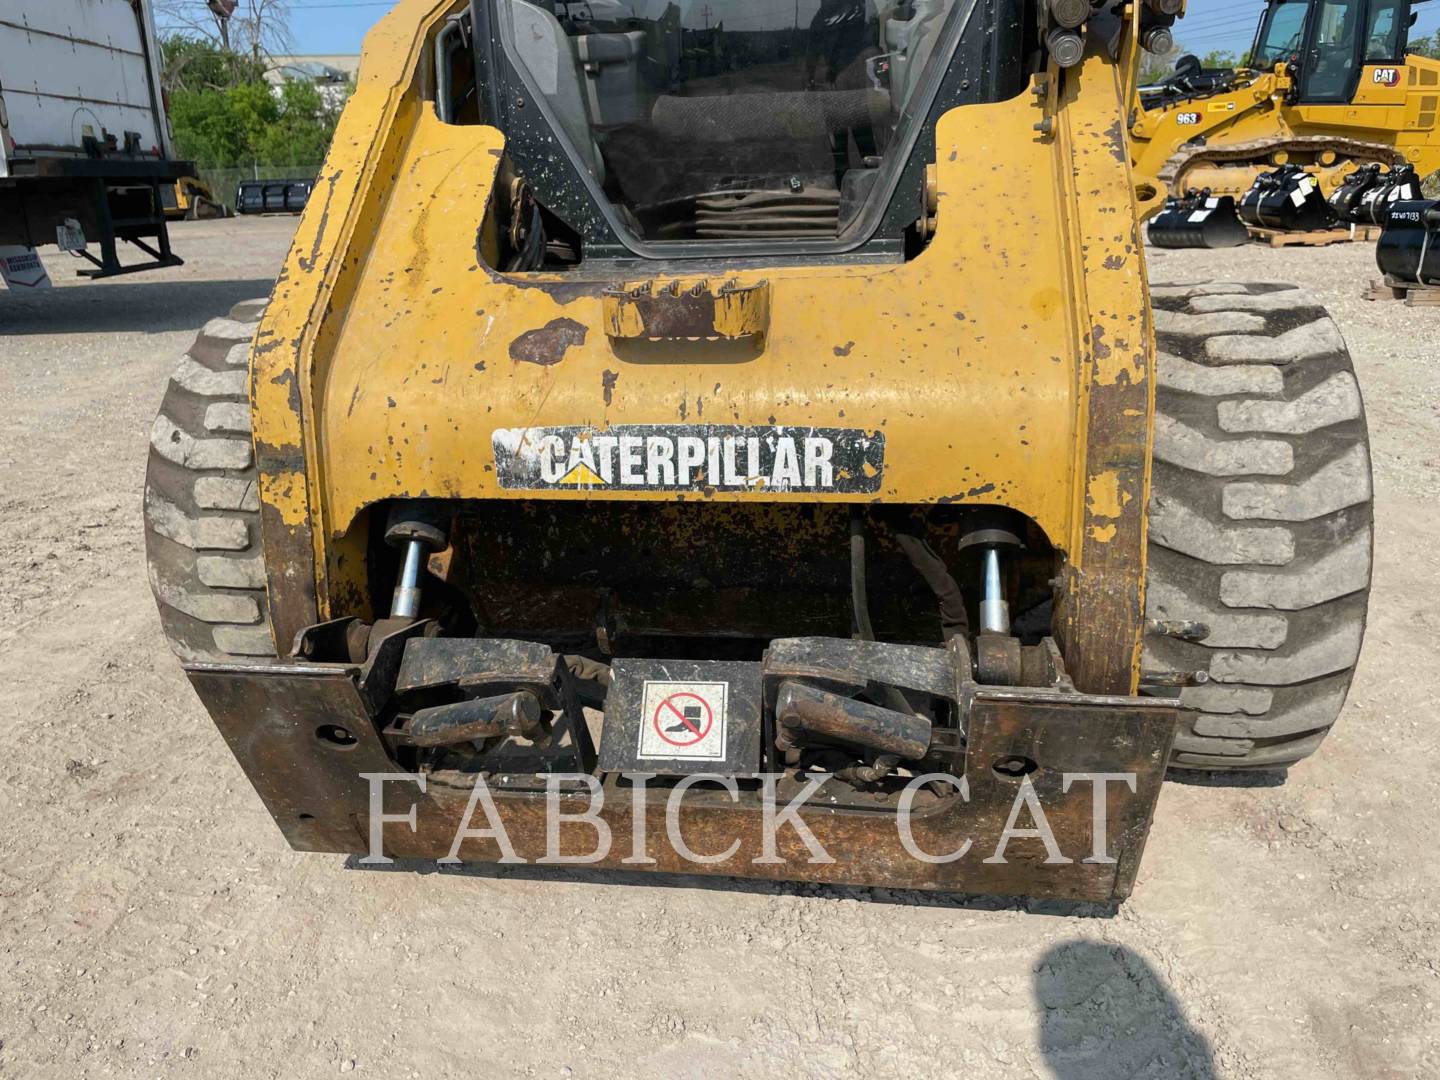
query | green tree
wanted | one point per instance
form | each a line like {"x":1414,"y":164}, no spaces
{"x":207,"y":129}
{"x":1153,"y":68}
{"x":1425,"y":46}
{"x":190,"y":63}
{"x":225,"y":115}
{"x":301,"y":133}
{"x":1219,"y":58}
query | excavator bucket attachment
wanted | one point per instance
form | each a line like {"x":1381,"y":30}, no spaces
{"x":1286,"y":200}
{"x":1198,"y":220}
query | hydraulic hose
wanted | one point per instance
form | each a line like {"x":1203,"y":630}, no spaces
{"x":954,"y":622}
{"x":860,"y":602}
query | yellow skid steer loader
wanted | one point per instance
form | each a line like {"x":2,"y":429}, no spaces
{"x":731,"y":439}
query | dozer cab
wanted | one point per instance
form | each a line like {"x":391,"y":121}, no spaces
{"x":1327,"y":86}
{"x":723,"y":439}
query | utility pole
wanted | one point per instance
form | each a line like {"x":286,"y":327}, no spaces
{"x":222,"y":10}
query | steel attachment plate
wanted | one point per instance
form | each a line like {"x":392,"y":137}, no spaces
{"x":674,"y":717}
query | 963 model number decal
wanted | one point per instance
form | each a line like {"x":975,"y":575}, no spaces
{"x":690,"y":457}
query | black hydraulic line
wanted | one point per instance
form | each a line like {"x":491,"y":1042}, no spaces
{"x":587,"y":670}
{"x":532,"y":255}
{"x":859,"y":593}
{"x":444,"y":49}
{"x":860,"y":604}
{"x":954,"y":621}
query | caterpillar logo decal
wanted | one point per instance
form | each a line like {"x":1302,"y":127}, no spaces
{"x":690,"y":457}
{"x":1387,"y":76}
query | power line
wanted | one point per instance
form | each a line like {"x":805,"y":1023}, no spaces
{"x":1251,"y":22}
{"x":1249,"y":16}
{"x":1222,"y":11}
{"x":342,"y":4}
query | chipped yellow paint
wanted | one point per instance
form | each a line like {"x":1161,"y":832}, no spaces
{"x":285,"y":491}
{"x":390,"y":353}
{"x":313,"y":291}
{"x":975,"y":393}
{"x":1104,"y":496}
{"x":1100,"y":613}
{"x":730,"y":312}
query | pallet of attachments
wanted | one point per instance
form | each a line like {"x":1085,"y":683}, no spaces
{"x":1318,"y":238}
{"x":1414,"y":295}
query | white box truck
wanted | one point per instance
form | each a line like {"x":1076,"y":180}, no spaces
{"x":85,"y":147}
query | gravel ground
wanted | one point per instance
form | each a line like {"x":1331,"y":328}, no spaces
{"x":153,"y":923}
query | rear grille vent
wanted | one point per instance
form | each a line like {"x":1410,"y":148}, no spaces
{"x":1428,"y":108}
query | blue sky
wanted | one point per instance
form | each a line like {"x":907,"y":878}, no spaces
{"x":333,"y":26}
{"x":338,"y":26}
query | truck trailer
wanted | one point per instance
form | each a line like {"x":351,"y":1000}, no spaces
{"x":85,"y":143}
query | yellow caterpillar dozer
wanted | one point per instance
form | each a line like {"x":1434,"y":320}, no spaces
{"x":191,"y":199}
{"x":731,"y":439}
{"x":1327,"y":86}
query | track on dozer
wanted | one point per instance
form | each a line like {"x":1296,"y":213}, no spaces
{"x":1259,"y":155}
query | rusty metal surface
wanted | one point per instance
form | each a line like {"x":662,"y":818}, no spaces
{"x":547,"y":345}
{"x":634,"y":715}
{"x":280,"y":720}
{"x":471,"y":720}
{"x":476,"y":662}
{"x":851,"y":666}
{"x":802,"y":710}
{"x":288,"y":726}
{"x":692,"y":569}
{"x":999,"y":660}
{"x":1100,"y":606}
{"x":687,"y":310}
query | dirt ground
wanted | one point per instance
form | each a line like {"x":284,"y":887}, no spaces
{"x":153,"y":922}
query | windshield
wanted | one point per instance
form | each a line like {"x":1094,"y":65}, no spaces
{"x":1330,"y":66}
{"x":1385,"y":38}
{"x":1281,"y":36}
{"x":729,"y":119}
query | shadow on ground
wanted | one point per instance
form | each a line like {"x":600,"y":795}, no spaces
{"x":106,"y":307}
{"x":1229,"y":778}
{"x":1105,"y":1012}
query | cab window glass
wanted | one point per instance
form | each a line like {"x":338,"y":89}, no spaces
{"x":1330,"y":63}
{"x":1384,"y":39}
{"x":731,"y":119}
{"x":1283,"y":34}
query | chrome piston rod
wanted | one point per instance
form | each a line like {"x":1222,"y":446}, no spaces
{"x":994,"y":611}
{"x":406,"y":603}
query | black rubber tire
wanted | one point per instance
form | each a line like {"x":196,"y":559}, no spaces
{"x":202,"y":504}
{"x":1260,"y":521}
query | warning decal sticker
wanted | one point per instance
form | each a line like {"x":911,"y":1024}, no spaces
{"x":684,"y":720}
{"x":690,"y":457}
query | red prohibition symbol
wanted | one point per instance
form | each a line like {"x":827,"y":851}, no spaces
{"x":683,"y":719}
